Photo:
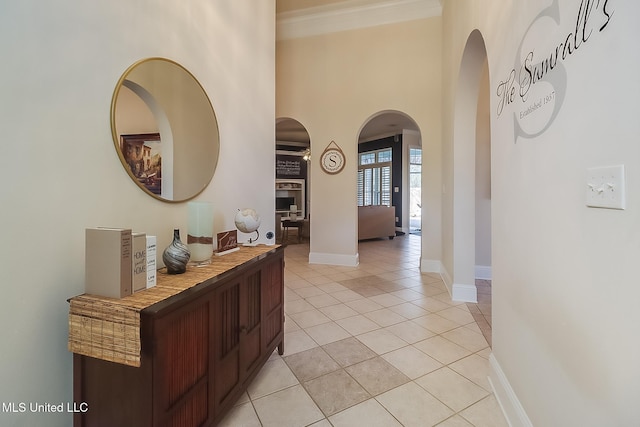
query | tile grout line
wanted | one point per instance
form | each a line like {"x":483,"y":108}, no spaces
{"x":300,"y":273}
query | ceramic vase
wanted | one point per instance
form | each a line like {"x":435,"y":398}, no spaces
{"x":176,"y":255}
{"x":200,"y":232}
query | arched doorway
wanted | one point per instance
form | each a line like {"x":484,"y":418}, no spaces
{"x":471,"y":172}
{"x":292,"y":192}
{"x":389,"y":148}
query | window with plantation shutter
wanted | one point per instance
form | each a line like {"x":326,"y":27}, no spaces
{"x":385,"y":185}
{"x":374,"y":178}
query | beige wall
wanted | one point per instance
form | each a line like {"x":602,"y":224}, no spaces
{"x":60,"y":172}
{"x":483,"y":180}
{"x":565,"y":282}
{"x":333,"y":84}
{"x":565,"y":319}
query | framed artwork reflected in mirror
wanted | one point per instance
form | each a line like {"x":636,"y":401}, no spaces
{"x":143,"y":155}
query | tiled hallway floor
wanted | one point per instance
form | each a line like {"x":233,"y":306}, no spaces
{"x":481,"y":311}
{"x":375,"y":345}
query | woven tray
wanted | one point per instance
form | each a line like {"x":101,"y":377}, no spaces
{"x":109,"y":328}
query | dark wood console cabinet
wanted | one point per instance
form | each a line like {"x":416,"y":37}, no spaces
{"x":200,"y":349}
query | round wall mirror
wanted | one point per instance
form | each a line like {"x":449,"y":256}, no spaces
{"x":164,"y":129}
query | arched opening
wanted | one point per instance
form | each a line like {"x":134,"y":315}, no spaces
{"x":471,"y":192}
{"x":389,"y":176}
{"x":483,"y":260}
{"x":293,"y":153}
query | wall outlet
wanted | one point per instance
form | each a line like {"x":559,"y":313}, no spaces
{"x":606,"y":187}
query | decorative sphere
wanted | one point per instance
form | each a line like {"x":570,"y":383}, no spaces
{"x":247,"y":220}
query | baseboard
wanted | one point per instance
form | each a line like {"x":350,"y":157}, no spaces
{"x":509,"y":403}
{"x":483,"y":272}
{"x":430,"y":266}
{"x":464,"y":293}
{"x":334,"y":259}
{"x":458,"y":292}
{"x":446,"y":278}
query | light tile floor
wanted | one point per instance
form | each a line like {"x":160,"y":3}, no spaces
{"x":375,"y":345}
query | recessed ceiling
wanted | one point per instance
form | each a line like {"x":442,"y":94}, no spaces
{"x":387,"y":124}
{"x":298,"y":5}
{"x":315,"y":17}
{"x":306,"y":18}
{"x":289,"y":5}
{"x":291,"y":135}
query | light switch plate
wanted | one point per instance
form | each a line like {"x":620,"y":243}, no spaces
{"x":606,"y":187}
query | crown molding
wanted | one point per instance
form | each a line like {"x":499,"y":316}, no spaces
{"x":351,"y":15}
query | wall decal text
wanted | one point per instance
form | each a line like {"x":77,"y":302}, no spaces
{"x":536,"y":85}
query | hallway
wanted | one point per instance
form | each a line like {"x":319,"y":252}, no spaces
{"x":378,"y":345}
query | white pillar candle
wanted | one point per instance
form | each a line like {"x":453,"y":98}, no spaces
{"x":200,"y":231}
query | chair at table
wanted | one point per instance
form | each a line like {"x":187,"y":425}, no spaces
{"x":292,"y":221}
{"x":288,"y":223}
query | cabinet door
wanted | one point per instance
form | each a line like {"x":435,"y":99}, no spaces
{"x":272,"y":305}
{"x":226,"y":314}
{"x":182,"y":366}
{"x":239,"y":341}
{"x":250,"y":302}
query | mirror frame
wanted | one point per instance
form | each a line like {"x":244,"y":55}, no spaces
{"x":116,"y":136}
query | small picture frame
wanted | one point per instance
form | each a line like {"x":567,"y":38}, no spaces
{"x":227,"y":242}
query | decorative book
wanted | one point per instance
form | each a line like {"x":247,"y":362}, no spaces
{"x":151,"y":261}
{"x":108,"y":262}
{"x":139,"y":264}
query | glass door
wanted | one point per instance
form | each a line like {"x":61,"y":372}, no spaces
{"x":415,"y":190}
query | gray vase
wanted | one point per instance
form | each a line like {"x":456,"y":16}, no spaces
{"x":176,"y":255}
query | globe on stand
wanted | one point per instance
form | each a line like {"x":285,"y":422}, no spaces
{"x":248,"y":221}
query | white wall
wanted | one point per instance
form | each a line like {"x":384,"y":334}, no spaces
{"x":59,"y":170}
{"x":565,"y":281}
{"x":333,"y":84}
